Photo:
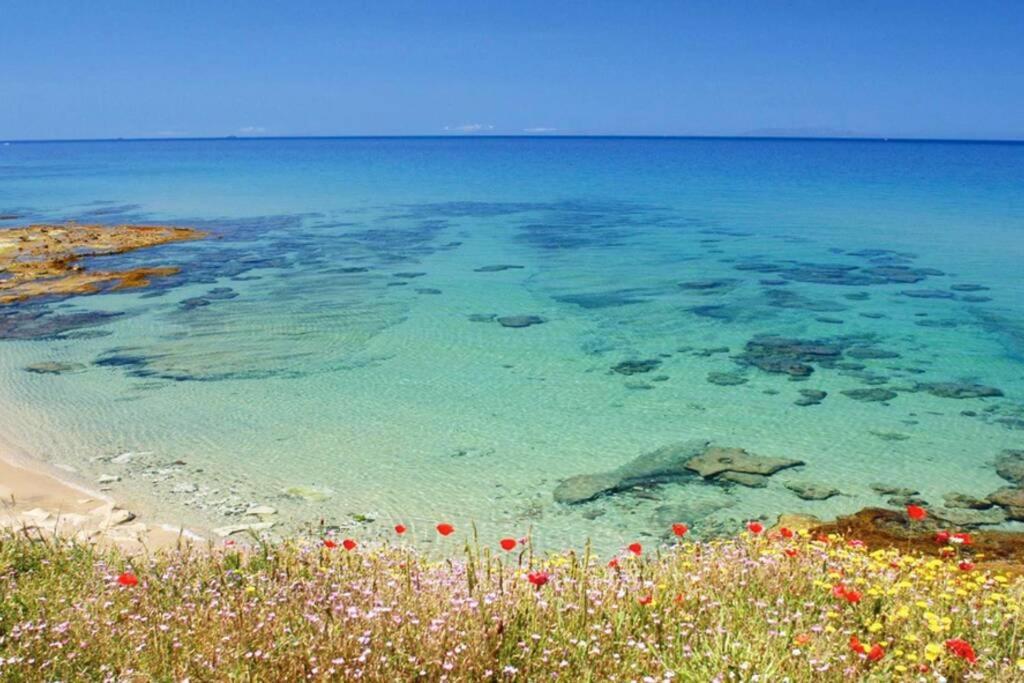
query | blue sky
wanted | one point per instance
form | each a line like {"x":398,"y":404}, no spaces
{"x":146,"y":68}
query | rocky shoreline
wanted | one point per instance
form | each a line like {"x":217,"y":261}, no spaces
{"x":45,"y":259}
{"x":42,"y":505}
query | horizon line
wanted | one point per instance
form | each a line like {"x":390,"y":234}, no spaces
{"x":534,"y":136}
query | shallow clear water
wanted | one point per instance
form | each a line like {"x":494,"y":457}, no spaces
{"x":354,"y":357}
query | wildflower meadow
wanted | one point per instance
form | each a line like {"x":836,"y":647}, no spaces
{"x":765,"y":605}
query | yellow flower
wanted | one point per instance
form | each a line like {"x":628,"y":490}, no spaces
{"x":932,"y":651}
{"x":875,"y":627}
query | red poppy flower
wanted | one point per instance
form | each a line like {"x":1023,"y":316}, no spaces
{"x":538,"y":579}
{"x":875,"y":653}
{"x":445,"y":529}
{"x":942,"y":537}
{"x":961,"y":538}
{"x":348,"y":544}
{"x":636,"y":548}
{"x":841,"y":591}
{"x":916,"y":512}
{"x":802,"y":639}
{"x":646,"y":600}
{"x":791,"y":552}
{"x":755,"y":527}
{"x":966,"y":566}
{"x":680,"y":598}
{"x":328,"y":543}
{"x":680,"y":529}
{"x":400,"y":529}
{"x":962,"y":649}
{"x":613,"y":563}
{"x":128,"y":579}
{"x":822,"y":538}
{"x":786,"y":532}
{"x":508,"y":544}
{"x":857,"y":646}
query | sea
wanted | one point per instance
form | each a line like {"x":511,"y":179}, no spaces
{"x":420,"y":330}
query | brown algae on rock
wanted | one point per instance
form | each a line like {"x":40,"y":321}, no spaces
{"x":45,"y":260}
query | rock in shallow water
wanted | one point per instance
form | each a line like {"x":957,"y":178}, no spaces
{"x":665,"y":464}
{"x":520,"y":320}
{"x":53,"y":368}
{"x":635,"y":367}
{"x":716,"y":460}
{"x":810,"y":397}
{"x":812,"y":491}
{"x":1010,"y":466}
{"x":959,"y":390}
{"x":726,"y":379}
{"x":868,"y":395}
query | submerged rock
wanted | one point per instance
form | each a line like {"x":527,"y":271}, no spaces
{"x":810,"y":397}
{"x":497,"y":268}
{"x":1008,"y":497}
{"x":869,"y":395}
{"x":53,"y":368}
{"x":970,"y":517}
{"x":673,"y":463}
{"x":964,"y":501}
{"x":636,"y":367}
{"x":928,"y":294}
{"x":890,"y":490}
{"x":233,"y":529}
{"x":520,"y":320}
{"x":869,"y":352}
{"x":716,"y":460}
{"x":754,"y":481}
{"x":665,"y":464}
{"x":1010,"y":466}
{"x":709,"y":286}
{"x":791,"y":357}
{"x":812,"y":491}
{"x":726,"y":379}
{"x":959,"y":390}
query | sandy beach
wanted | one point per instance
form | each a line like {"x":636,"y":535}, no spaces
{"x":39,"y":501}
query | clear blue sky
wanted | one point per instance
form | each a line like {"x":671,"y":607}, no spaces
{"x":105,"y":68}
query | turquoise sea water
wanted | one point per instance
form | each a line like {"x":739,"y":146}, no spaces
{"x":334,"y":351}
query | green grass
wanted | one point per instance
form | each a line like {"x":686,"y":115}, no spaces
{"x":725,"y":610}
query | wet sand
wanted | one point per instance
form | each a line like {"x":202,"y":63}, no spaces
{"x":40,"y":502}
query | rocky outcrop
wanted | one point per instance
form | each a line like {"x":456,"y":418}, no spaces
{"x":715,"y":460}
{"x":45,"y":260}
{"x":665,"y":464}
{"x":882,"y":528}
{"x":672,"y":463}
{"x":1010,"y":466}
